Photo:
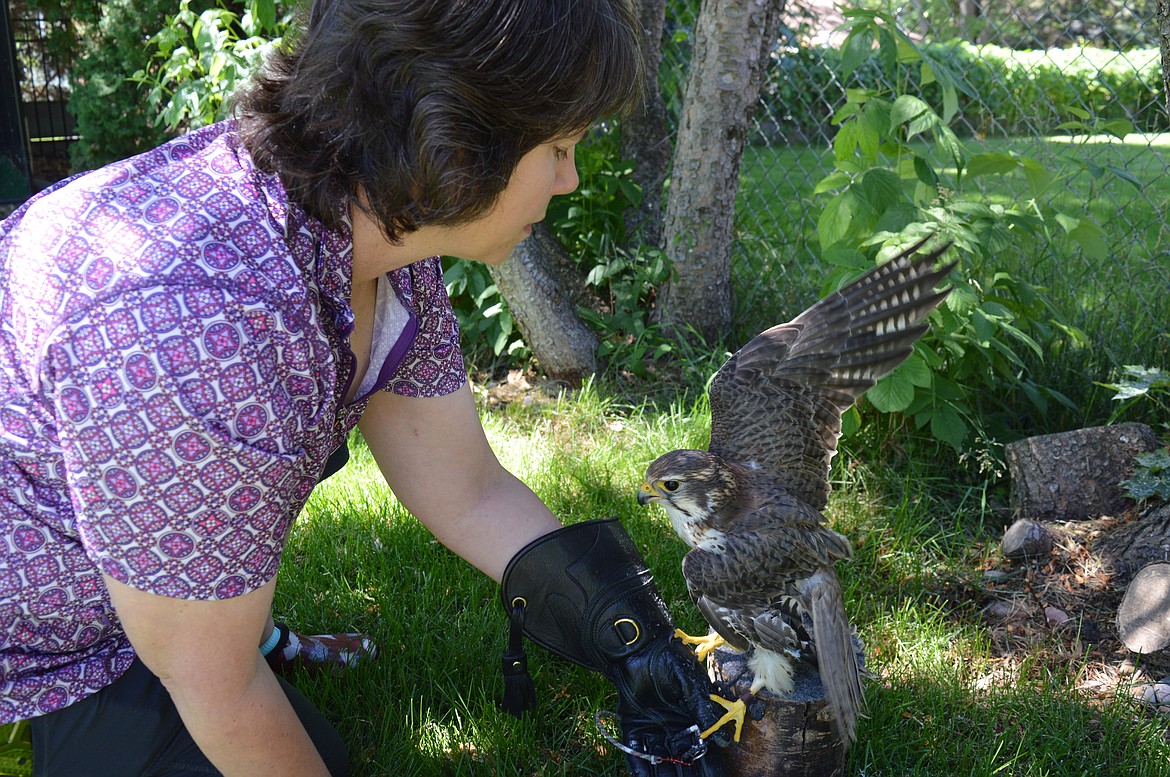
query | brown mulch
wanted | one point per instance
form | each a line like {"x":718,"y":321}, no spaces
{"x":1059,"y":613}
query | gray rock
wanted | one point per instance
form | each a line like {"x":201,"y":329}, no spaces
{"x":1154,"y":695}
{"x":1026,"y":539}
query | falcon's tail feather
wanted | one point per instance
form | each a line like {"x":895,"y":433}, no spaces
{"x":836,"y":652}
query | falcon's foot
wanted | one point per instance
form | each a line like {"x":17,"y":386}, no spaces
{"x":736,"y":711}
{"x":703,"y":645}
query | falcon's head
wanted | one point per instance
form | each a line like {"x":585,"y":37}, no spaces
{"x":700,"y":492}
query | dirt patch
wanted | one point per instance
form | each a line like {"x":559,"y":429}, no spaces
{"x":1058,"y":613}
{"x":525,"y":387}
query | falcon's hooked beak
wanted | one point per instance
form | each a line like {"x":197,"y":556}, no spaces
{"x":656,"y":491}
{"x":648,"y":494}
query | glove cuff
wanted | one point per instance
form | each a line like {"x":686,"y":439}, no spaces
{"x":584,"y":593}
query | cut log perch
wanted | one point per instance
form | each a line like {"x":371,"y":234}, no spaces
{"x":1076,"y":475}
{"x":1143,"y":620}
{"x":782,"y":736}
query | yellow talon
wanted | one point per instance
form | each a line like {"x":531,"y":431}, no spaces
{"x":703,"y":645}
{"x":736,"y":710}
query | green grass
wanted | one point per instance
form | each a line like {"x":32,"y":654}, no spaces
{"x":356,"y":560}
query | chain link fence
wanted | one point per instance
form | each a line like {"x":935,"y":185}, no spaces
{"x":1031,"y":67}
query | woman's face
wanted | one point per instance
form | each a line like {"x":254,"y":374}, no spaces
{"x":545,"y":171}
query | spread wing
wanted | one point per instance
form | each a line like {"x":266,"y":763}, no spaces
{"x":776,"y":404}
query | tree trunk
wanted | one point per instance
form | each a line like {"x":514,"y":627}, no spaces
{"x":543,"y":290}
{"x":733,"y":39}
{"x":646,"y":135}
{"x":1076,"y":475}
{"x":1164,"y":45}
{"x":1133,"y":545}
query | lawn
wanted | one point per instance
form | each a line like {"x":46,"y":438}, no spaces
{"x":946,"y":698}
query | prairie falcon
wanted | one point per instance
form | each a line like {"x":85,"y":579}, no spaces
{"x":762,"y":564}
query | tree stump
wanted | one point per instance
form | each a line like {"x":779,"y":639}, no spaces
{"x":1076,"y":475}
{"x":1136,"y":543}
{"x":782,"y":736}
{"x":1143,"y":619}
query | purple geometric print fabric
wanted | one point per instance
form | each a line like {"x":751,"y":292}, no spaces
{"x":172,"y":367}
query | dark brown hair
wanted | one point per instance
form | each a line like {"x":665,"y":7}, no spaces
{"x":425,"y":107}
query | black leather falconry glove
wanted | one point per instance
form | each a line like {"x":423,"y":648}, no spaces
{"x":585,"y":593}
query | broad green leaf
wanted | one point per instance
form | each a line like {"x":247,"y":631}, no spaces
{"x":876,"y":117}
{"x":1091,"y":238}
{"x":1138,"y":381}
{"x":869,"y":140}
{"x":845,"y":141}
{"x":950,"y":103}
{"x":832,"y":182}
{"x":892,"y":393}
{"x":1067,"y":223}
{"x":908,"y":53}
{"x":917,"y":372}
{"x":1039,"y":177}
{"x":907,"y":108}
{"x":850,"y":421}
{"x":856,"y":49}
{"x":925,"y":172}
{"x":1118,"y":128}
{"x":882,"y":187}
{"x":1156,"y":461}
{"x":887,"y":50}
{"x":947,"y":425}
{"x":991,"y":164}
{"x":858,"y":97}
{"x":835,"y":219}
{"x":844,"y":256}
{"x":264,"y":11}
{"x":1126,"y":176}
{"x":927,"y":73}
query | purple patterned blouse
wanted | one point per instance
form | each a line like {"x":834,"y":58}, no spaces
{"x":173,"y":358}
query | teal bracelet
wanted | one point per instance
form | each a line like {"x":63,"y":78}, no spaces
{"x":271,"y":643}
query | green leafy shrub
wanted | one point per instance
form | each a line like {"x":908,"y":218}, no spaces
{"x":1034,"y":92}
{"x":887,"y":191}
{"x":1145,"y":385}
{"x":1141,"y":384}
{"x":485,"y":322}
{"x":114,"y":118}
{"x":200,"y":57}
{"x":590,"y":223}
{"x":1152,"y":478}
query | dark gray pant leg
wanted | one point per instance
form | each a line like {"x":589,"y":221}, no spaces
{"x":132,"y":729}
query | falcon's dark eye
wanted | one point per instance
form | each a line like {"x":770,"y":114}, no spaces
{"x":670,"y":485}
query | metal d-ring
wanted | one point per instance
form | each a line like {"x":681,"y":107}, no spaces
{"x":637,"y":629}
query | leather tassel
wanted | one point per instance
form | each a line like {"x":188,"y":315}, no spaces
{"x":519,"y":690}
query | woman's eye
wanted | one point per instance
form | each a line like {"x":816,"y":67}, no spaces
{"x":562,"y":153}
{"x":670,"y":485}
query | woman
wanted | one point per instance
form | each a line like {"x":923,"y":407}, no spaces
{"x":186,"y":337}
